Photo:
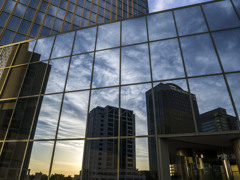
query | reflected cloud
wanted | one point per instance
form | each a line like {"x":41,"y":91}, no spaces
{"x":166,"y":60}
{"x":106,"y":68}
{"x":43,"y":47}
{"x":135,"y":64}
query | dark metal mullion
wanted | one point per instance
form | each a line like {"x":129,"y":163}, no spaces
{"x":153,"y":100}
{"x":235,"y":9}
{"x":119,"y":104}
{"x":89,"y":99}
{"x":185,"y":72}
{"x":221,"y":66}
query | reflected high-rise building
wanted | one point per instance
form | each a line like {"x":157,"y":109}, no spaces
{"x":101,"y":155}
{"x":20,"y":81}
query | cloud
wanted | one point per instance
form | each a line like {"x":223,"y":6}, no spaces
{"x":159,"y":5}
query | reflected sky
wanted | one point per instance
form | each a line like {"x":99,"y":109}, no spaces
{"x":79,"y":75}
{"x":132,"y":27}
{"x":166,"y":60}
{"x":228,"y":43}
{"x":74,"y":115}
{"x":40,"y":157}
{"x":133,"y":98}
{"x":199,"y":55}
{"x":142,"y":158}
{"x":135,"y":64}
{"x":106,"y":68}
{"x":48,"y":117}
{"x":108,"y":36}
{"x":68,"y":158}
{"x":190,"y":20}
{"x":56,"y":79}
{"x":43,"y":47}
{"x":161,"y":26}
{"x":211,"y":93}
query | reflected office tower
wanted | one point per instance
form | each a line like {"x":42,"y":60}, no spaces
{"x":217,"y":120}
{"x":101,"y":155}
{"x":173,"y":115}
{"x":20,"y":81}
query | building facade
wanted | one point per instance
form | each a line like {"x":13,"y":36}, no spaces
{"x":131,"y":97}
{"x":27,"y":19}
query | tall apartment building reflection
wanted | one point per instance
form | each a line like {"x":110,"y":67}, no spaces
{"x":22,"y":80}
{"x":101,"y":155}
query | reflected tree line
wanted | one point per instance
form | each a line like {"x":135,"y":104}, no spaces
{"x":173,"y":111}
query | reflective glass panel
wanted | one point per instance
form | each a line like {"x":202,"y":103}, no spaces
{"x":85,"y":40}
{"x":161,"y":26}
{"x":199,"y":55}
{"x":108,"y":36}
{"x":14,"y":82}
{"x":237,"y":5}
{"x":11,"y":159}
{"x":24,"y":53}
{"x":79,"y":75}
{"x":103,"y":115}
{"x":65,"y":164}
{"x":21,"y":123}
{"x":166,"y":60}
{"x":43,"y":48}
{"x":135,"y":64}
{"x":34,"y":78}
{"x":14,"y":22}
{"x":133,"y":110}
{"x":234,"y":83}
{"x":20,"y":9}
{"x":221,"y":15}
{"x":134,"y":31}
{"x":74,"y":115}
{"x":190,"y":20}
{"x":7,"y":37}
{"x":106,"y":68}
{"x":172,"y":106}
{"x":46,"y":118}
{"x":60,"y":49}
{"x":134,"y":159}
{"x":24,"y":27}
{"x":56,"y":75}
{"x":101,"y":161}
{"x":6,"y":109}
{"x":212,"y":98}
{"x":228,"y":43}
{"x":38,"y":159}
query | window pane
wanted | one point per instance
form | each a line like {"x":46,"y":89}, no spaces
{"x":60,"y":49}
{"x":47,"y":117}
{"x":6,"y":109}
{"x":14,"y":82}
{"x":212,"y":97}
{"x":228,"y":43}
{"x":134,"y":31}
{"x":56,"y":75}
{"x":38,"y":159}
{"x":166,"y":60}
{"x":85,"y":40}
{"x":101,"y":159}
{"x":24,"y":53}
{"x":133,"y":110}
{"x":7,"y":37}
{"x":43,"y":48}
{"x":24,"y":27}
{"x":65,"y":163}
{"x":135,"y":64}
{"x":14,"y":22}
{"x":108,"y":36}
{"x":79,"y":75}
{"x":20,"y":9}
{"x":190,"y":20}
{"x":199,"y":55}
{"x":161,"y":26}
{"x":221,"y":15}
{"x":74,"y":115}
{"x":22,"y":119}
{"x":106,"y":68}
{"x":103,"y":113}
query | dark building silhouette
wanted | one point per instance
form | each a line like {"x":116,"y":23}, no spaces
{"x":217,"y":120}
{"x":101,"y":155}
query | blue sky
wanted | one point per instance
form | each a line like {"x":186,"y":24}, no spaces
{"x":159,"y":5}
